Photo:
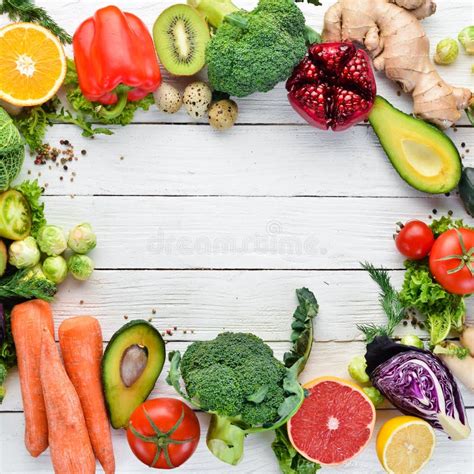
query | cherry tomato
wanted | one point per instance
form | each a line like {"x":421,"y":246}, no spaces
{"x":163,"y":433}
{"x":452,"y":261}
{"x":415,"y":240}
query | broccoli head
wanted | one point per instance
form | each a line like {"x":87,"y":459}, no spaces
{"x":253,"y":51}
{"x":236,"y":378}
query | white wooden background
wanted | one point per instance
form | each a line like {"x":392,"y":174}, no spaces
{"x":214,"y":231}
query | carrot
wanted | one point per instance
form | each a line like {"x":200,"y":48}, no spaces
{"x":27,"y":321}
{"x":80,"y":339}
{"x":69,"y":443}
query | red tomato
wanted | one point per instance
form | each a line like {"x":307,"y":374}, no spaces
{"x":452,"y":261}
{"x":163,"y":433}
{"x":415,"y":240}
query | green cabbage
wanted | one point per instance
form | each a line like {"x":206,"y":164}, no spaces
{"x":12,"y":151}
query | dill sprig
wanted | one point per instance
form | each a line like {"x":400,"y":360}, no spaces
{"x":390,"y":301}
{"x":26,"y":11}
{"x":22,"y":285}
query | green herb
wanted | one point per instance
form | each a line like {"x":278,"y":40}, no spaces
{"x":290,"y":460}
{"x":33,"y":192}
{"x":26,"y":11}
{"x":302,"y":328}
{"x":391,"y":304}
{"x":24,"y":286}
{"x":12,"y":150}
{"x":33,"y":123}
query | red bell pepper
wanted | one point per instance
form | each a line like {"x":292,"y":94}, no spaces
{"x":115,"y":59}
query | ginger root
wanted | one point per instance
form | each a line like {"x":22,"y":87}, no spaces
{"x":398,"y":45}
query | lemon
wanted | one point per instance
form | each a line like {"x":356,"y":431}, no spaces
{"x":33,"y":64}
{"x":405,"y":444}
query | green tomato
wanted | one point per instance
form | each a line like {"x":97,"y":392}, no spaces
{"x":80,"y":266}
{"x":466,"y":38}
{"x":412,"y":340}
{"x":357,"y":369}
{"x":24,"y":253}
{"x":447,"y":51}
{"x":3,"y":257}
{"x":55,"y":269}
{"x":82,"y":238}
{"x":375,"y":396}
{"x":51,"y":240}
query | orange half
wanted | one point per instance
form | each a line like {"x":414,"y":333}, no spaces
{"x":32,"y":64}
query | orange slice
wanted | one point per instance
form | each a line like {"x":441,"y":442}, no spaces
{"x":32,"y":64}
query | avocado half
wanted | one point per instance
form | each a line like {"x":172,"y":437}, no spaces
{"x":423,"y":155}
{"x":132,"y":362}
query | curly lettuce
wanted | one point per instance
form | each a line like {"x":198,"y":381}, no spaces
{"x":33,"y":192}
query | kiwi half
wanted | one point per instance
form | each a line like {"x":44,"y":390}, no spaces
{"x":181,"y":35}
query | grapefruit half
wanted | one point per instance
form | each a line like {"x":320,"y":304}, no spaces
{"x":335,"y":421}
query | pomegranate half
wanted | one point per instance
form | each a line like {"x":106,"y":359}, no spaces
{"x":333,"y":86}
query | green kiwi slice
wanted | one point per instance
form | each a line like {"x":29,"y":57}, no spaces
{"x":181,"y":35}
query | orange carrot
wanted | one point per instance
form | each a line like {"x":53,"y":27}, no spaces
{"x":69,"y":443}
{"x":28,"y":320}
{"x":80,"y":339}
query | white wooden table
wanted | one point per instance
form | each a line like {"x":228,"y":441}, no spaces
{"x":215,"y":231}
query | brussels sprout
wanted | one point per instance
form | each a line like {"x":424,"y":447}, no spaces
{"x":51,"y":240}
{"x":55,"y":269}
{"x":447,"y":51}
{"x":375,"y":396}
{"x":80,"y":266}
{"x":24,"y":253}
{"x":82,"y":238}
{"x":466,"y":38}
{"x":412,"y":340}
{"x":357,"y":369}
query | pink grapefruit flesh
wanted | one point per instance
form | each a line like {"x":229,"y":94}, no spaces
{"x":335,"y":422}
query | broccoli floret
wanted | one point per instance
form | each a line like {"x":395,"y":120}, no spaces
{"x":253,"y":51}
{"x":224,"y":397}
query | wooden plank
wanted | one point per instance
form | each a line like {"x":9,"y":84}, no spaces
{"x":203,"y":304}
{"x":327,"y":358}
{"x":239,"y":232}
{"x":248,"y":160}
{"x":273,"y":106}
{"x":449,"y":457}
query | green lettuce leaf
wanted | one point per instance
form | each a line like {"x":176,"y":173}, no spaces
{"x":289,"y":460}
{"x":33,"y":192}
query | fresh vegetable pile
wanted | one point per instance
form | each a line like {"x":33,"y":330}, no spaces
{"x":32,"y":264}
{"x":69,"y":397}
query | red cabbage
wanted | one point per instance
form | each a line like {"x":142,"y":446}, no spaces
{"x":418,"y":383}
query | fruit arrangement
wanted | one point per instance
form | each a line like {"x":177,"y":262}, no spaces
{"x":70,"y":400}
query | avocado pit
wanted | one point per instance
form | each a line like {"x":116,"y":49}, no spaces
{"x":133,"y":363}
